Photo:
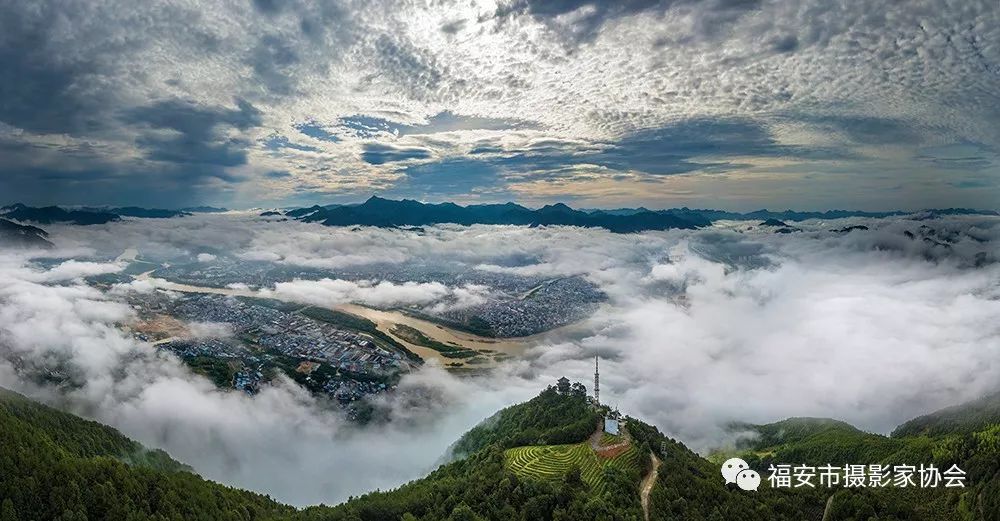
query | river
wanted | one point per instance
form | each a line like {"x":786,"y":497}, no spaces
{"x":385,"y":320}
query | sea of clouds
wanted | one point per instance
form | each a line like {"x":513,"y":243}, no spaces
{"x":701,"y":328}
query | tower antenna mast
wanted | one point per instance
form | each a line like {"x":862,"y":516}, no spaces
{"x":597,"y":381}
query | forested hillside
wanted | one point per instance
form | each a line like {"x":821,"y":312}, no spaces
{"x":968,"y":417}
{"x":550,"y":418}
{"x":56,"y":466}
{"x":967,"y":435}
{"x":690,"y":487}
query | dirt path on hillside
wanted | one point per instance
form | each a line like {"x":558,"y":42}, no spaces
{"x":595,"y":438}
{"x":648,"y":482}
{"x":826,"y":510}
{"x":598,"y":436}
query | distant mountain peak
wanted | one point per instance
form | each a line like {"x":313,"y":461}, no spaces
{"x":84,"y":215}
{"x":10,"y":208}
{"x":203,"y":209}
{"x":378,"y":211}
{"x":55,"y":214}
{"x":557,"y":206}
{"x":22,"y":235}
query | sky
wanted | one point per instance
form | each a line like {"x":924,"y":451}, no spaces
{"x":733,"y":104}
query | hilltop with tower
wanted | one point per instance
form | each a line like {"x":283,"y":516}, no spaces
{"x":611,"y":421}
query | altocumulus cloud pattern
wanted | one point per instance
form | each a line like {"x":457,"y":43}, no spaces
{"x":710,"y":103}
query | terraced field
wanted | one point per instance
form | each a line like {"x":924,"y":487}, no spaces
{"x":611,"y":439}
{"x":552,"y":462}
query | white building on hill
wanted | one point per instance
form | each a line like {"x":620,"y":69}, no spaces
{"x":611,"y":425}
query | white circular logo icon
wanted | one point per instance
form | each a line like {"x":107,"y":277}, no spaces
{"x":731,"y":468}
{"x":748,"y":479}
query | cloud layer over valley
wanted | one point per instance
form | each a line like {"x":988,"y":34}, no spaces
{"x":700,"y":328}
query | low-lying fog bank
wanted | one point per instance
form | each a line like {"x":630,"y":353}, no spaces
{"x":700,"y":328}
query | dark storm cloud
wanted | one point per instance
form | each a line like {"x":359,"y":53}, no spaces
{"x":452,"y":177}
{"x":610,"y":88}
{"x":709,"y":145}
{"x":587,"y":25}
{"x":76,"y":129}
{"x":672,"y":149}
{"x":41,"y":91}
{"x":272,"y":61}
{"x":79,"y":77}
{"x":710,"y":16}
{"x":365,"y":127}
{"x":279,"y":142}
{"x":450,"y":122}
{"x":453,"y":27}
{"x":872,"y":130}
{"x":787,"y":43}
{"x":96,"y":183}
{"x":378,"y":154}
{"x":269,"y":6}
{"x":967,"y":157}
{"x":186,"y":148}
{"x":585,"y":28}
{"x":198,"y":132}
